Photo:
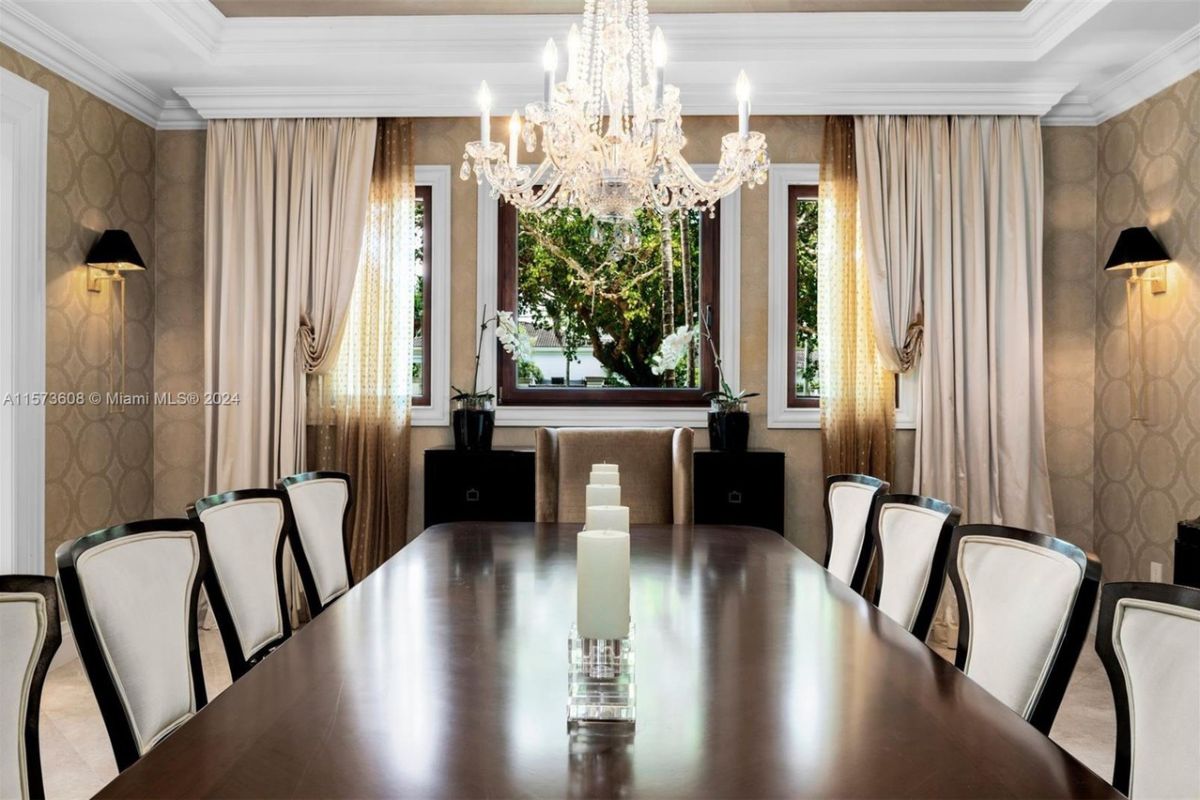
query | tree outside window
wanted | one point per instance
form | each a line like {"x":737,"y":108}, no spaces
{"x":597,"y":318}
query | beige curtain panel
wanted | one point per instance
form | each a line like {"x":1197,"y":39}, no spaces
{"x":359,"y":412}
{"x":981,"y":424}
{"x":857,"y":390}
{"x":903,"y":176}
{"x":285,"y":202}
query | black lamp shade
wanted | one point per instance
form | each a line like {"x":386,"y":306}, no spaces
{"x":114,"y":251}
{"x":1137,"y":248}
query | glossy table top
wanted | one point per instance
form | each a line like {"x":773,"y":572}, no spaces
{"x":443,"y":674}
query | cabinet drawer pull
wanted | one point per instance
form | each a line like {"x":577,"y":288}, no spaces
{"x":472,"y":495}
{"x":735,"y":498}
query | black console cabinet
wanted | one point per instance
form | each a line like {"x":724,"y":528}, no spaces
{"x":463,"y":486}
{"x":739,"y":488}
{"x":1187,"y":554}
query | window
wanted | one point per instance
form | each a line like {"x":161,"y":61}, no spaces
{"x":793,"y":346}
{"x":596,"y":322}
{"x":431,"y":309}
{"x":803,"y":343}
{"x":423,"y":290}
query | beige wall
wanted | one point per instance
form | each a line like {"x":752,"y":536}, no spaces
{"x":179,"y":319}
{"x":1147,"y":473}
{"x":1069,"y":284}
{"x":99,"y":174}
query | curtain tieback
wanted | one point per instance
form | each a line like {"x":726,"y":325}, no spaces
{"x":912,"y":344}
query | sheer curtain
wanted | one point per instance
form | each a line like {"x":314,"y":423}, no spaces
{"x":360,"y":407}
{"x":857,"y":391}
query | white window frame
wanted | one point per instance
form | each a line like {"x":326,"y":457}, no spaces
{"x":779,"y":325}
{"x":23,"y":127}
{"x":437,"y":355}
{"x":730,"y":328}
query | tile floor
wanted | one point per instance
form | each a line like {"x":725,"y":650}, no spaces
{"x":77,"y":760}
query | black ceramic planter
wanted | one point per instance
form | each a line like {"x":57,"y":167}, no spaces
{"x":473,"y":428}
{"x":729,"y":430}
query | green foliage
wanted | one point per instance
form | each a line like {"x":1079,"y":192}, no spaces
{"x":529,"y":373}
{"x":807,"y":374}
{"x":614,"y":309}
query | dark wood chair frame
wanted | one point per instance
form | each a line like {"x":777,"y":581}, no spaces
{"x":104,"y":685}
{"x":43,"y":585}
{"x":863,"y":567}
{"x":937,"y":569}
{"x":239,"y":665}
{"x":1110,"y":595}
{"x":307,"y":580}
{"x":1066,"y":652}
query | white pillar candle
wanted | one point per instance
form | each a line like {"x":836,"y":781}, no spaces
{"x":602,"y":591}
{"x":604,"y":479}
{"x":606,"y":467}
{"x":603,"y":495}
{"x":607,"y":518}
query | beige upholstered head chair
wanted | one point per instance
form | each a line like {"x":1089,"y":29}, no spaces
{"x":655,"y":463}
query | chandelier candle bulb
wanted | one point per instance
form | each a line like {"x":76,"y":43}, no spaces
{"x":550,"y":64}
{"x":602,"y":584}
{"x":607,"y":518}
{"x":743,"y":97}
{"x":602,"y":494}
{"x":485,"y":113}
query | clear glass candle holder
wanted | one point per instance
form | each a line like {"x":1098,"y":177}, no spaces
{"x":600,"y":679}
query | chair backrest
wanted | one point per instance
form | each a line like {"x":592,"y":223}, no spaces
{"x":1148,"y":639}
{"x":321,"y":503}
{"x":913,"y":536}
{"x":655,"y":465}
{"x":849,"y":500}
{"x":242,"y":535}
{"x":131,"y":593}
{"x":1024,"y":603}
{"x":29,"y":635}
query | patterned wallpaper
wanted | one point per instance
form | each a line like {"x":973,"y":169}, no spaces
{"x":179,"y":319}
{"x":1069,"y":281}
{"x":100,"y":174}
{"x":1148,"y":472}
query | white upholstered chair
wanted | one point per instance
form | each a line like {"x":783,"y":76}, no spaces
{"x":849,"y":500}
{"x":913,"y":539}
{"x":131,"y":593}
{"x":29,"y":635}
{"x":321,"y":504}
{"x":1149,"y":641}
{"x":242,"y":534}
{"x":1024,"y":603}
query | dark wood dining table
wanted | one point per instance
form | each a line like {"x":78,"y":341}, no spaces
{"x":444,"y":674}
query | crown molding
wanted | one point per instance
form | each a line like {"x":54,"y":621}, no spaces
{"x":452,"y":46}
{"x":1164,"y":67}
{"x":31,"y":37}
{"x":216,"y":102}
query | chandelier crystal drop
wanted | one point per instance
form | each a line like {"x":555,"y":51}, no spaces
{"x":611,"y":133}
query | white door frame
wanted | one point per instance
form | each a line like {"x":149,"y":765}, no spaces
{"x":23,"y":113}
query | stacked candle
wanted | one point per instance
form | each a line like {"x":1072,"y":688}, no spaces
{"x":602,"y":559}
{"x":602,"y":567}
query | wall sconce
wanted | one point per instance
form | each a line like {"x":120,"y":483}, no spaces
{"x":1138,"y":249}
{"x":110,"y":258}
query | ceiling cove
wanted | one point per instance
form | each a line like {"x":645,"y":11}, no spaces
{"x":173,"y":63}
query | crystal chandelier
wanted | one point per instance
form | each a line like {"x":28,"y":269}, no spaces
{"x":612,"y":132}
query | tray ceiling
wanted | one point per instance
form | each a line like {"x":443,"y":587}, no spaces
{"x":174,"y":63}
{"x":354,"y":8}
